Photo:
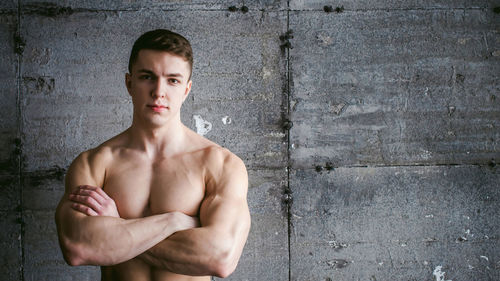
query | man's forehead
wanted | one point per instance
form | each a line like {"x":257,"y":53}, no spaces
{"x":154,"y":54}
{"x":150,"y":59}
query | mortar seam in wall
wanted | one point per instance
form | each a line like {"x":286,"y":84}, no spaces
{"x":392,"y":10}
{"x":405,"y":165}
{"x":90,"y":10}
{"x":19,"y":132}
{"x":288,"y":165}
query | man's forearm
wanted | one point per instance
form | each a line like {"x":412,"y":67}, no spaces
{"x":101,"y":240}
{"x":197,"y":252}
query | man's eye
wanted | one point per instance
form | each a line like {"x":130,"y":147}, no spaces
{"x":173,"y":81}
{"x":146,"y":77}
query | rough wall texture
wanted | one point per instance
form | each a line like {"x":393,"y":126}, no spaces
{"x":370,"y":129}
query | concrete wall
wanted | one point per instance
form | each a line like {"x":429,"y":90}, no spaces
{"x":370,"y":129}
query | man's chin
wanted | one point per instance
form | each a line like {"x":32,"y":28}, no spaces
{"x":156,"y":121}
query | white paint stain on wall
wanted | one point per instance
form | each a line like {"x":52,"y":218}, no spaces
{"x":466,"y":236}
{"x":226,"y":120}
{"x":202,"y":126}
{"x":438,"y":274}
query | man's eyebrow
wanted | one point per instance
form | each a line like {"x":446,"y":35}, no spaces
{"x":174,"y":75}
{"x":146,"y":71}
{"x":167,"y":75}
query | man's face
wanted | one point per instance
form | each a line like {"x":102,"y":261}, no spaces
{"x":158,"y":86}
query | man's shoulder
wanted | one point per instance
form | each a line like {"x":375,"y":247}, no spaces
{"x":224,"y":171}
{"x":222,"y":157}
{"x":95,"y":155}
{"x":90,"y":166}
{"x":99,"y":156}
{"x":222,"y":164}
{"x":214,"y":154}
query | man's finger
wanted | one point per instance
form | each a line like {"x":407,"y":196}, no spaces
{"x":86,"y":187}
{"x":83,"y":209}
{"x":85,"y":192}
{"x":98,"y":190}
{"x":86,"y":200}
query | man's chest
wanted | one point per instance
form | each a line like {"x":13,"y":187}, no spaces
{"x":141,"y":188}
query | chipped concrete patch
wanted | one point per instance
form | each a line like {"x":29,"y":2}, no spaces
{"x":202,"y":126}
{"x":226,"y":120}
{"x":438,"y":274}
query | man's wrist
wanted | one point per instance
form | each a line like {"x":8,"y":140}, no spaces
{"x":174,"y":223}
{"x":177,"y":221}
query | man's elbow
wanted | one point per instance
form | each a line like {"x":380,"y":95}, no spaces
{"x":73,"y":260}
{"x":225,"y":264}
{"x":73,"y":255}
{"x":224,"y":269}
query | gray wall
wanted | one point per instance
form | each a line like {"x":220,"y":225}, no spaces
{"x":370,"y":132}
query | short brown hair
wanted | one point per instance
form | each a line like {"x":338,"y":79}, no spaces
{"x":162,"y":40}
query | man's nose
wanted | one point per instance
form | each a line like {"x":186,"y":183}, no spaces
{"x":159,"y":89}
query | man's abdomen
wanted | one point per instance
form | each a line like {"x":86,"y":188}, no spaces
{"x":137,"y":270}
{"x":133,"y":269}
{"x":162,"y":275}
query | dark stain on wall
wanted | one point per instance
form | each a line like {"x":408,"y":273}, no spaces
{"x":8,"y":166}
{"x":38,"y":178}
{"x":19,"y":44}
{"x":243,"y":9}
{"x":285,"y":40}
{"x":460,"y":78}
{"x":287,"y":125}
{"x":11,"y":164}
{"x":38,"y":85}
{"x":329,"y":9}
{"x":46,"y":9}
{"x":328,"y":166}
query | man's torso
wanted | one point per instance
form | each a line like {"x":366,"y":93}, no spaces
{"x":142,"y":187}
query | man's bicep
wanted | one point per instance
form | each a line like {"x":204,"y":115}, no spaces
{"x":224,"y":212}
{"x":79,"y":173}
{"x":225,"y":206}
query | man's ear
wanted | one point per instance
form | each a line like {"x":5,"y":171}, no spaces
{"x":128,"y":82}
{"x":188,"y":89}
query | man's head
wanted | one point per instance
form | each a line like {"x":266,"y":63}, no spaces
{"x":162,"y":40}
{"x":160,"y":77}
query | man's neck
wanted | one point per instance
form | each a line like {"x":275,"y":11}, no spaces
{"x":157,"y":142}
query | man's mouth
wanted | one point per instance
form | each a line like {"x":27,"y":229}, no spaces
{"x":157,"y":108}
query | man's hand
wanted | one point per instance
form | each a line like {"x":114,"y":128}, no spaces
{"x":93,"y":201}
{"x":183,"y":221}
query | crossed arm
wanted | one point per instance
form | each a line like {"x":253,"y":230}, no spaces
{"x":91,"y":232}
{"x":99,"y":236}
{"x":217,"y":245}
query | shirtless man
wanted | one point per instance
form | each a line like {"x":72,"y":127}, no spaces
{"x":158,"y":201}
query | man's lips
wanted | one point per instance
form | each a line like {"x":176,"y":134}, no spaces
{"x":157,"y":108}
